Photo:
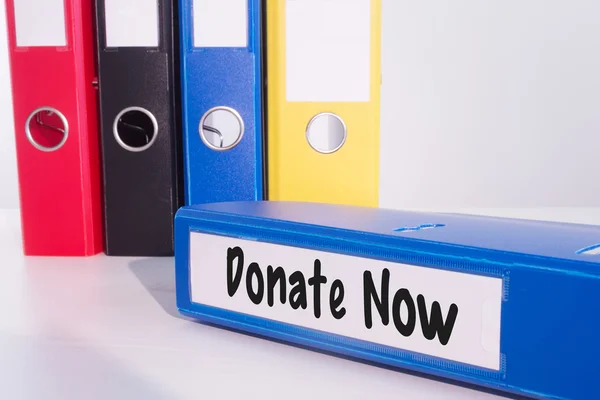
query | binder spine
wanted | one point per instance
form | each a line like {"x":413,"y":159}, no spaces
{"x":176,"y":99}
{"x":225,"y":78}
{"x":548,"y":344}
{"x":141,"y":173}
{"x":92,"y":181}
{"x":323,"y":134}
{"x":58,"y":180}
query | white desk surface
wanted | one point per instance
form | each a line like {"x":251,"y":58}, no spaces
{"x":108,"y":328}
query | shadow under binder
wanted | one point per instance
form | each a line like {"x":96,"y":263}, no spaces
{"x":142,"y":185}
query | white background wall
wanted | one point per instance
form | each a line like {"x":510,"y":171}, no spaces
{"x":484,"y":104}
{"x":490,"y":103}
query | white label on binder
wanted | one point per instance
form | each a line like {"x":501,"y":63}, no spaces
{"x":131,"y":23}
{"x":220,"y":23}
{"x":328,"y":55}
{"x":445,"y":314}
{"x":40,"y":23}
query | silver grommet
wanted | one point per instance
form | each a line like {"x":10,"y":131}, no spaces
{"x":326,"y":133}
{"x":221,"y":128}
{"x":37,"y":113}
{"x":149,"y":141}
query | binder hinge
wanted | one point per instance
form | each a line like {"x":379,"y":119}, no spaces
{"x":95,"y":83}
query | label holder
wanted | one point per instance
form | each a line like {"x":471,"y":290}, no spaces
{"x":220,"y":24}
{"x":327,"y":61}
{"x":119,"y":15}
{"x":308,"y":336}
{"x":40,"y":23}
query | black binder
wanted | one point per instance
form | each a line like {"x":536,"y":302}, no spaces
{"x":139,"y":93}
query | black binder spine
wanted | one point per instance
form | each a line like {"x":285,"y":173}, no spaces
{"x":139,"y":96}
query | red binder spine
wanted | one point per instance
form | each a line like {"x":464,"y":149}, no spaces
{"x":59,"y":171}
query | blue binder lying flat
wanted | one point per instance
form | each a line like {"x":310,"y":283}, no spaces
{"x":505,"y":304}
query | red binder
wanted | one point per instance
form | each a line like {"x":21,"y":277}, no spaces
{"x":51,"y":47}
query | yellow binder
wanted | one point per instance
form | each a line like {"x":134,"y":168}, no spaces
{"x":323,"y":94}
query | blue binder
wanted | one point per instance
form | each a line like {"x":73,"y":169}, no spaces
{"x":505,"y":304}
{"x":221,"y":80}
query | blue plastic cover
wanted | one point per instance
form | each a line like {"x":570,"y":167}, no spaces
{"x":550,"y":286}
{"x":219,"y":76}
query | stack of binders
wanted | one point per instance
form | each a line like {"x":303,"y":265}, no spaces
{"x":126,"y":111}
{"x":160,"y":128}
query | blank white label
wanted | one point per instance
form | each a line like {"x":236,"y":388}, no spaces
{"x":328,"y":50}
{"x":220,"y":23}
{"x":40,"y":23}
{"x":131,"y":23}
{"x":467,"y":311}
